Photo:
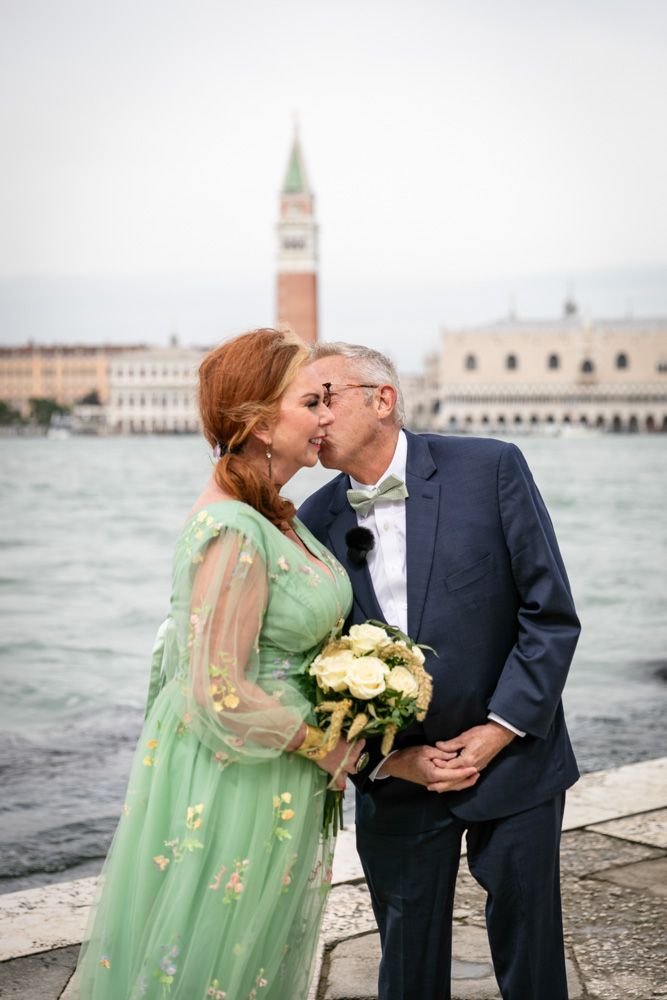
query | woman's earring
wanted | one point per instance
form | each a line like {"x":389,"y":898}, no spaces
{"x":268,"y":458}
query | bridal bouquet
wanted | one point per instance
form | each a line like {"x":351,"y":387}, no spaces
{"x":371,"y":682}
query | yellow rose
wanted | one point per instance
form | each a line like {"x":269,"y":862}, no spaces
{"x":366,"y":677}
{"x":287,"y":814}
{"x":231,"y":701}
{"x":331,"y":670}
{"x":400,"y":679}
{"x":367,"y":639}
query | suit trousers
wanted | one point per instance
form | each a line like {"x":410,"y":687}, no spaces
{"x":412,"y":878}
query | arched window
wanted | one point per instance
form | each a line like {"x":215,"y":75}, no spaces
{"x":517,"y":419}
{"x":633,"y":425}
{"x":587,"y":366}
{"x":617,"y":425}
{"x":501,"y":419}
{"x":485,"y":419}
{"x":510,"y":361}
{"x":436,"y":406}
{"x":471,"y":362}
{"x":554,"y":361}
{"x":621,"y":360}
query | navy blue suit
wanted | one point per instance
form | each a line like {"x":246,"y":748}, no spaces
{"x":487,"y":590}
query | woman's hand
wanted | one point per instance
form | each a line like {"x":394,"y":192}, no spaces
{"x":343,"y":758}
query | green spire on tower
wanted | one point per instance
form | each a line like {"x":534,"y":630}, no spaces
{"x":296,"y":179}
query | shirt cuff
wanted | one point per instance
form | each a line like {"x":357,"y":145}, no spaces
{"x":375,"y":774}
{"x":503,"y":722}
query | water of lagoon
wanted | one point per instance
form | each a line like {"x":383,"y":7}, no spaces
{"x":87,"y":528}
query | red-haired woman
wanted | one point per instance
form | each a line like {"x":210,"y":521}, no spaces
{"x":215,"y":882}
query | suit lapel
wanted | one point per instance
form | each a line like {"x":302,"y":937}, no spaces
{"x":342,"y":518}
{"x":421,"y":526}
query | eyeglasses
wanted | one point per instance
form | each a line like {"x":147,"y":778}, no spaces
{"x":326,"y":399}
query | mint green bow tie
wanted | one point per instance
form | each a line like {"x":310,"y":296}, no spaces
{"x":391,"y":488}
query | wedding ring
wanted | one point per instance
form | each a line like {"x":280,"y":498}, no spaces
{"x":362,"y":760}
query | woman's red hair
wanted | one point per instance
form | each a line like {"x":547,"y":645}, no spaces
{"x":241,"y":384}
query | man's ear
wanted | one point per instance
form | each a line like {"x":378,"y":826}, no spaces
{"x":385,"y":400}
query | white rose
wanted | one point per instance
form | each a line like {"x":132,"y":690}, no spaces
{"x":331,"y":670}
{"x":400,"y":679}
{"x":366,"y":677}
{"x":367,"y":639}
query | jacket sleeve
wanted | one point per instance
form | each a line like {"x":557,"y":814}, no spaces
{"x":531,"y":683}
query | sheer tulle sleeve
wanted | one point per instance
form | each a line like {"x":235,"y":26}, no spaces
{"x":217,"y":690}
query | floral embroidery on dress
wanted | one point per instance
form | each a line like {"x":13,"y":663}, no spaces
{"x":178,"y":847}
{"x":243,"y":562}
{"x":282,"y":667}
{"x":196,"y":529}
{"x":287,"y":876}
{"x":221,"y":689}
{"x":213,"y":991}
{"x":104,"y":961}
{"x":327,"y":557}
{"x":198,"y":620}
{"x":167,"y":968}
{"x":284,"y":565}
{"x":280,"y":814}
{"x":234,"y":886}
{"x":148,"y":761}
{"x":325,"y":885}
{"x":259,"y":981}
{"x":314,"y":580}
{"x":222,"y":759}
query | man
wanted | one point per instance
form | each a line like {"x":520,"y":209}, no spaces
{"x":465,"y":560}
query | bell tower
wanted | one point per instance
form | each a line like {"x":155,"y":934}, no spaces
{"x":297,"y":250}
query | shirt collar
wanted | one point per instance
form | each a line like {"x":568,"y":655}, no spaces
{"x":397,"y":466}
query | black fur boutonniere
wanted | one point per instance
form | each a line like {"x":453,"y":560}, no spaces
{"x":359,"y":543}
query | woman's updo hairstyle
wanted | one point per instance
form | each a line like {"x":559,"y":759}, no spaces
{"x":241,"y":384}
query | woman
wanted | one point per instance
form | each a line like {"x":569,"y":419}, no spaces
{"x":215,"y":882}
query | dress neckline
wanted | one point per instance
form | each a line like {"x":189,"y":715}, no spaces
{"x":326,"y":567}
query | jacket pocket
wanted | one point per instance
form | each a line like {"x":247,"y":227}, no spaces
{"x":471,"y":573}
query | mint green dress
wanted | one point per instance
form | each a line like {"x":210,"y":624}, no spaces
{"x":218,"y":873}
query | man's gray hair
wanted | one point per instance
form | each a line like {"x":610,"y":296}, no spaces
{"x":369,"y":365}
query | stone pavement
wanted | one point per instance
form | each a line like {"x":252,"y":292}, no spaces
{"x":614,"y":865}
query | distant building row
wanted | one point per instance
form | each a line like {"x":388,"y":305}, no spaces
{"x":611,"y":375}
{"x":139,"y":389}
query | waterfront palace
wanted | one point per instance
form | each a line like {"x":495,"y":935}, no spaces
{"x":515,"y":376}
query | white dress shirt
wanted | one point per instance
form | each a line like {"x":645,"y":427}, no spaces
{"x":387,"y":562}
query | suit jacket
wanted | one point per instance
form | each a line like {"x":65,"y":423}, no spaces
{"x":487,"y":589}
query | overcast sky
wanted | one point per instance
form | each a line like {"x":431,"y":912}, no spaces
{"x":461,"y":151}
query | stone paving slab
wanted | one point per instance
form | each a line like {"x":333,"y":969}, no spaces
{"x":353,"y":965}
{"x":39,"y":919}
{"x":645,"y":877}
{"x":648,"y":828}
{"x":621,"y":791}
{"x":584,"y":852}
{"x":617,"y":937}
{"x":38,"y":977}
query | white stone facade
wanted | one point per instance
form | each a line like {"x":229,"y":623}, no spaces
{"x":154,"y":391}
{"x":522,"y":376}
